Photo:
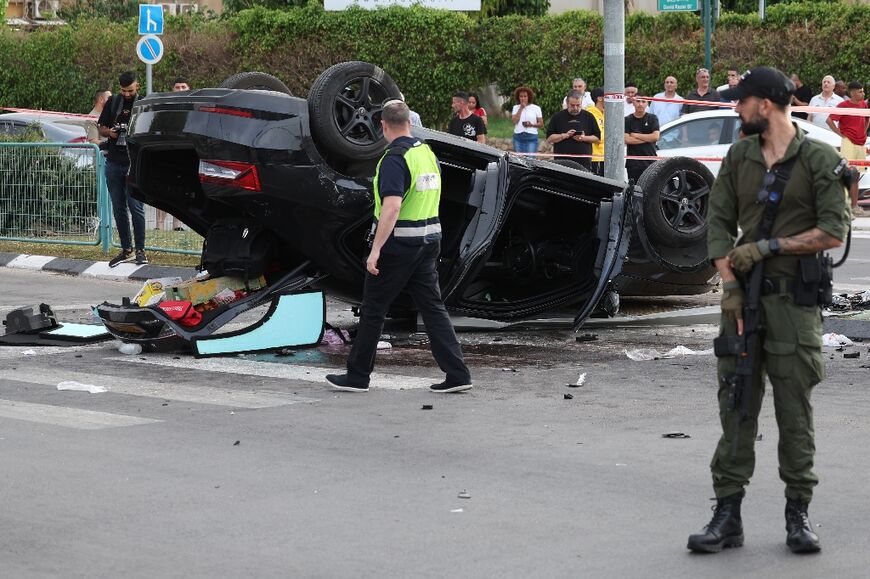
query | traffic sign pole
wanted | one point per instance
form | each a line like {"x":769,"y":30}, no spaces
{"x":149,"y":49}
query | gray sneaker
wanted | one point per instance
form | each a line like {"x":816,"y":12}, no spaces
{"x":141,"y":258}
{"x":125,"y":256}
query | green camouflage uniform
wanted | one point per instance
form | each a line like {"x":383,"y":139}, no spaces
{"x":791,"y":354}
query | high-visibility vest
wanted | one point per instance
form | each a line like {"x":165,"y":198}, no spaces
{"x":418,"y":221}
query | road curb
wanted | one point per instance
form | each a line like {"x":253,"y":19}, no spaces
{"x":94,"y":269}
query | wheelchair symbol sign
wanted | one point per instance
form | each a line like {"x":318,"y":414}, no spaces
{"x":149,"y":49}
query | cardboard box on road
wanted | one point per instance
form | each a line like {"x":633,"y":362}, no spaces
{"x":201,"y":291}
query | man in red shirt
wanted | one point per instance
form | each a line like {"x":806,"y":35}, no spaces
{"x":853,"y":130}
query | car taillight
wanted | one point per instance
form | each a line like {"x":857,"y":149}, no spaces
{"x":227,"y":111}
{"x":78,"y":140}
{"x":242,"y":175}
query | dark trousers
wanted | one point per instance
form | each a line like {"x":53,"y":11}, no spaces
{"x":791,"y":356}
{"x":598,"y":168}
{"x":116,"y":182}
{"x":635,"y":168}
{"x":417,"y":273}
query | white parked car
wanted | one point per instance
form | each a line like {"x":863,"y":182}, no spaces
{"x":708,"y":134}
{"x":54,"y":127}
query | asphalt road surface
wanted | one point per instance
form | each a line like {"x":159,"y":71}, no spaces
{"x":249,"y":467}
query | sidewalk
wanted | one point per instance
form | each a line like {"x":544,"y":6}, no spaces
{"x":89,"y":268}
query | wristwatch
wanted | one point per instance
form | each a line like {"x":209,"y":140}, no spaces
{"x":773,"y":244}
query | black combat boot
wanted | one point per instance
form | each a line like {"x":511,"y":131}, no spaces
{"x":724,"y":530}
{"x":801,"y":538}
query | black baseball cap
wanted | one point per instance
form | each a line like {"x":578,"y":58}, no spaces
{"x":762,"y":82}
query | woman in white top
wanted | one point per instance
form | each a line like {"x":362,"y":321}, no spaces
{"x":527,"y":118}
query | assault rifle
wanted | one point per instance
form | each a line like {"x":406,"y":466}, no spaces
{"x":746,"y":348}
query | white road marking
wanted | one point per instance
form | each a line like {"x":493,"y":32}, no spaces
{"x":101,"y":269}
{"x":35,"y":262}
{"x":167,"y":391}
{"x":861,"y":235}
{"x":12,"y":352}
{"x":275,"y":370}
{"x":68,"y":417}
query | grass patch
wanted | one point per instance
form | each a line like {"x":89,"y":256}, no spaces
{"x":500,"y":128}
{"x":93,"y":252}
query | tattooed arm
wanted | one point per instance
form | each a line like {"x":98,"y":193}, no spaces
{"x":810,"y":241}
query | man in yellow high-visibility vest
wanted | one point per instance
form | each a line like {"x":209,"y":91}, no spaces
{"x":404,"y":256}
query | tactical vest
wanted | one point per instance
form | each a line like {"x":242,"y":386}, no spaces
{"x":418,"y":221}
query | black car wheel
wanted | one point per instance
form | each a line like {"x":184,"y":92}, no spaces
{"x":676,"y":200}
{"x":255,"y":81}
{"x":345,"y":104}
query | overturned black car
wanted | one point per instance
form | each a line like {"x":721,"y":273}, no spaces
{"x":520,"y":236}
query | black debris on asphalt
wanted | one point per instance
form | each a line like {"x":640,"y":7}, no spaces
{"x":568,"y":396}
{"x":236,"y":443}
{"x":587,"y":338}
{"x":427,"y":407}
{"x":852,"y":355}
{"x":675,"y":435}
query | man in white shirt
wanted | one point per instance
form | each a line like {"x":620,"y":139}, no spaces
{"x":733,"y":80}
{"x":666,"y":112}
{"x":580,"y":86}
{"x":826,"y":98}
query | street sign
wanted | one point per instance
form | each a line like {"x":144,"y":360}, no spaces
{"x":151,"y":18}
{"x":678,"y":6}
{"x":149,"y":49}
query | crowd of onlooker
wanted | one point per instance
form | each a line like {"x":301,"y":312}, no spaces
{"x":576,"y":132}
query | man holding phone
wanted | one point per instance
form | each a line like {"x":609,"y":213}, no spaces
{"x":572,"y":131}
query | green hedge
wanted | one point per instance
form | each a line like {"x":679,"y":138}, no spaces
{"x":432,"y":53}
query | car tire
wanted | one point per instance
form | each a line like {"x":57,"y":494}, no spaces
{"x":570,"y":164}
{"x":676,"y":198}
{"x":255,"y":81}
{"x":345,"y":104}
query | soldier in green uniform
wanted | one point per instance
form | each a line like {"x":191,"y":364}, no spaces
{"x":813,"y":216}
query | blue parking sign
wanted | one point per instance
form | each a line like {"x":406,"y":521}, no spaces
{"x":150,"y":19}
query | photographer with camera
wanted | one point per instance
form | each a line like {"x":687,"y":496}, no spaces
{"x":112,"y":124}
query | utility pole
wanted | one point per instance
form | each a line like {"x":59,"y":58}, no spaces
{"x":614,"y":89}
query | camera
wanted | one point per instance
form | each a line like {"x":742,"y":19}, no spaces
{"x":121,"y":130}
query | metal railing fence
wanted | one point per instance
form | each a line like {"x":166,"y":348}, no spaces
{"x":56,"y":193}
{"x":53,"y":193}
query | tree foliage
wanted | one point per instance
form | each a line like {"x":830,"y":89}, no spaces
{"x":431,"y":53}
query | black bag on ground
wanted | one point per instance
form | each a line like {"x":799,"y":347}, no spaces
{"x":236,"y":248}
